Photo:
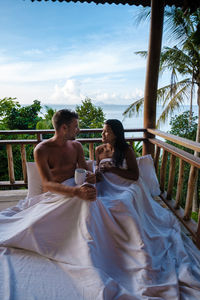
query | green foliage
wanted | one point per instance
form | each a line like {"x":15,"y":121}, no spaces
{"x":90,"y":116}
{"x":184,"y":127}
{"x":6,"y":106}
{"x":183,"y":59}
{"x":14,"y":116}
{"x":20,"y":117}
{"x":137,"y":147}
{"x":195,"y":216}
{"x":46,"y":123}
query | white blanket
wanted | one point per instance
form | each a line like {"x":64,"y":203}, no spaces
{"x":122,"y":246}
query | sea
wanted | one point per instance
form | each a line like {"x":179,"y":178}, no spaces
{"x":113,"y":111}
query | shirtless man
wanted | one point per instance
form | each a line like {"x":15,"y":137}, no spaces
{"x":58,"y":157}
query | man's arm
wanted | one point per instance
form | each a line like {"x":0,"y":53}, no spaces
{"x":91,"y":178}
{"x":85,"y":192}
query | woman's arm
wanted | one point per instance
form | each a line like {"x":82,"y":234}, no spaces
{"x":132,"y":171}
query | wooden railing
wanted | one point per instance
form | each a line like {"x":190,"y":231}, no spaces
{"x":9,"y":143}
{"x":164,"y":152}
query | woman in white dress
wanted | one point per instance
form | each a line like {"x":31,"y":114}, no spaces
{"x":115,"y":154}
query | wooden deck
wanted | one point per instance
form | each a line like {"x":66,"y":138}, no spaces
{"x":10,"y":198}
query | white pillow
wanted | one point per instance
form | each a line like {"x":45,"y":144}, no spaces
{"x":148,"y":174}
{"x":146,"y":170}
{"x":35,"y":181}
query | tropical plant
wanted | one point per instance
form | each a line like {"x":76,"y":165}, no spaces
{"x":137,"y":147}
{"x":46,"y":123}
{"x":6,"y":105}
{"x":90,"y":116}
{"x":181,"y":60}
{"x":183,"y":127}
{"x":14,"y":116}
{"x":20,"y":117}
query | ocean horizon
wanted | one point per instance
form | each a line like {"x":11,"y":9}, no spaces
{"x":115,"y":111}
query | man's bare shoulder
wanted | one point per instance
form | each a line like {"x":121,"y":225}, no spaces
{"x":76,"y":144}
{"x":43,"y":146}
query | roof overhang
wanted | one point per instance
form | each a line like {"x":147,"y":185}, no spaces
{"x":184,"y":4}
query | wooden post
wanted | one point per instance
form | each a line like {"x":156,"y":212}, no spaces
{"x":190,"y":193}
{"x":91,"y":151}
{"x":156,"y":159}
{"x":151,"y":81}
{"x":198,"y":232}
{"x":171,"y":176}
{"x":10,"y":163}
{"x":163,"y":170}
{"x":23,"y":157}
{"x":39,"y":137}
{"x":179,"y":184}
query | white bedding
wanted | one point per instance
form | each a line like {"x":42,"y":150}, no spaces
{"x":122,"y":246}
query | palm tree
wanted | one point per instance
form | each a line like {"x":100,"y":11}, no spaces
{"x":46,"y":123}
{"x":182,"y":59}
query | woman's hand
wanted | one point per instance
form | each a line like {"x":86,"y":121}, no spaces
{"x":98,"y":175}
{"x":106,"y":167}
{"x":90,"y":177}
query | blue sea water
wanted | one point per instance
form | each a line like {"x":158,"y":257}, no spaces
{"x":116,"y":112}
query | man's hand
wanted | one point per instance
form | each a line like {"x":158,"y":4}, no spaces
{"x":86,"y":192}
{"x":98,"y":174}
{"x":91,"y":177}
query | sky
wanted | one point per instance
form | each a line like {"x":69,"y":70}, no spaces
{"x":61,"y":53}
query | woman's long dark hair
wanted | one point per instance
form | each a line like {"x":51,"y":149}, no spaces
{"x":121,"y":145}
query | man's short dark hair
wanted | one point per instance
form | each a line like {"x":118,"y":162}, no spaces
{"x":63,"y":116}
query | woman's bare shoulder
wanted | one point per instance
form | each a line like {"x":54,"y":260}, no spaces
{"x":100,"y":148}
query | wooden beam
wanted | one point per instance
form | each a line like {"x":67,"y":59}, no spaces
{"x":189,"y":158}
{"x":176,"y":139}
{"x":153,"y":62}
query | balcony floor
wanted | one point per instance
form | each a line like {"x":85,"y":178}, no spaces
{"x":10,"y":198}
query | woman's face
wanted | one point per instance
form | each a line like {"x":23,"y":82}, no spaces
{"x":108,"y":135}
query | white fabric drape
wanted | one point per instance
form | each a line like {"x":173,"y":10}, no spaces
{"x":122,"y":246}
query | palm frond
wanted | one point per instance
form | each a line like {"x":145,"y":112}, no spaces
{"x":178,"y":25}
{"x":134,"y":108}
{"x":164,"y":93}
{"x":142,"y":53}
{"x":143,"y":14}
{"x":175,"y":102}
{"x":174,"y":58}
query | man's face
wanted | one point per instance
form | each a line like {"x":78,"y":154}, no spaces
{"x":73,"y":129}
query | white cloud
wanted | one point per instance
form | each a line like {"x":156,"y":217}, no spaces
{"x":109,"y":59}
{"x":70,"y":93}
{"x":98,"y":73}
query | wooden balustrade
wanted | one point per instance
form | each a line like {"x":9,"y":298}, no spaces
{"x":38,"y":138}
{"x":183,"y":213}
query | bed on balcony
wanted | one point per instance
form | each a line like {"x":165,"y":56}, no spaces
{"x":122,"y":246}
